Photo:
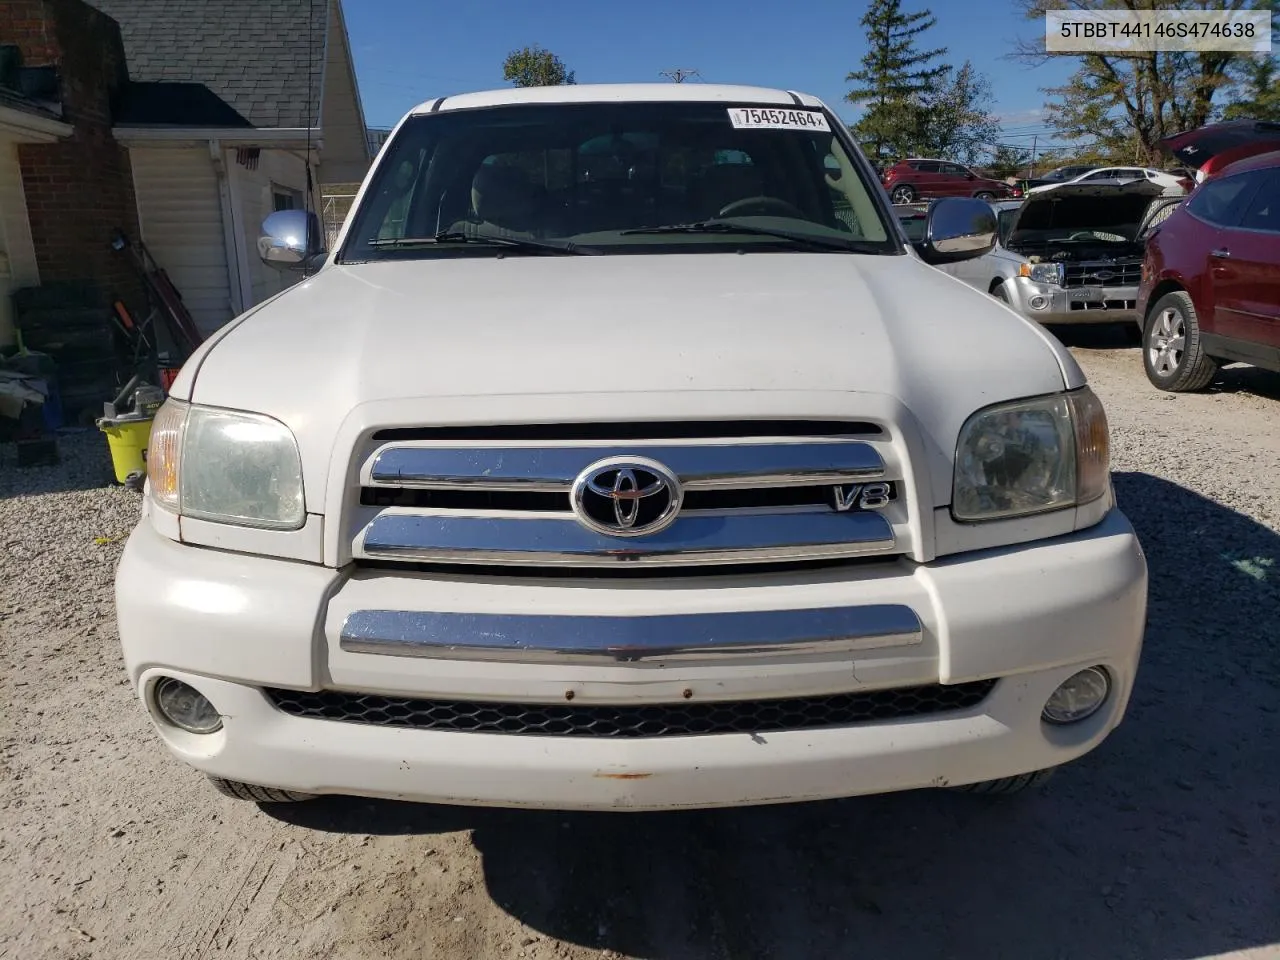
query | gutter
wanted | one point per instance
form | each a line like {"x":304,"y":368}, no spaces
{"x":227,"y":136}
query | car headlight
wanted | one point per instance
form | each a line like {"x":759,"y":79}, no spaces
{"x":1031,"y":456}
{"x":1042,"y":272}
{"x":225,"y":466}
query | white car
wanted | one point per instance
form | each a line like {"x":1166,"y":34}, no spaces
{"x":618,"y":457}
{"x":1171,"y":185}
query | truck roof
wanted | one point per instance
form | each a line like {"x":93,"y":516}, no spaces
{"x":620,"y":93}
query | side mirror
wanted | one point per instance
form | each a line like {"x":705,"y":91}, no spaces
{"x":289,"y":239}
{"x":971,"y":176}
{"x":957,"y":228}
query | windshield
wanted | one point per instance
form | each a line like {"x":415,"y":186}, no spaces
{"x":616,"y":178}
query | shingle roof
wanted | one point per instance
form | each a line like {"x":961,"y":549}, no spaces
{"x":263,"y":58}
{"x":17,"y":101}
{"x":176,"y":104}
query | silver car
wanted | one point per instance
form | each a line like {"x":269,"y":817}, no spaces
{"x":1071,"y":254}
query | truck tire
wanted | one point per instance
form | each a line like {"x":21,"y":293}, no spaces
{"x":1172,"y":351}
{"x":252,"y":792}
{"x":1007,"y":785}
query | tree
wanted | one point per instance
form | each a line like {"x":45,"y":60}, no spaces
{"x":1260,"y":89}
{"x":893,"y":78}
{"x":1125,"y":103}
{"x":535,"y":67}
{"x":1007,"y":161}
{"x":957,"y":124}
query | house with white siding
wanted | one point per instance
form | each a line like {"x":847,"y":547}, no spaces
{"x":232,"y":110}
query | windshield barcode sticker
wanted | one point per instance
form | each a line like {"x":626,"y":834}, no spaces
{"x":771,"y":118}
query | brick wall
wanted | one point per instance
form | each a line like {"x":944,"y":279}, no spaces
{"x":79,"y":190}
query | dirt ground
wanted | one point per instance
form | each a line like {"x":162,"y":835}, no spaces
{"x":1163,"y":843}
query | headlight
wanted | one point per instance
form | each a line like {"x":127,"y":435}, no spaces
{"x":1042,"y":272}
{"x":1031,"y":456}
{"x":226,"y":466}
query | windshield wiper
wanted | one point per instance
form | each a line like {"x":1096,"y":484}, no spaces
{"x":525,"y":243}
{"x":726,"y":226}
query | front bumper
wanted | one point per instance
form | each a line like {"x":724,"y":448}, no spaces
{"x":1050,"y":303}
{"x":1031,"y":615}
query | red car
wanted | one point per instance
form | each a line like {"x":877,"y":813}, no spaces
{"x":1210,"y":290}
{"x":911,"y":179}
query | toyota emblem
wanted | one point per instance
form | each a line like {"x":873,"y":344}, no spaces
{"x":626,"y":497}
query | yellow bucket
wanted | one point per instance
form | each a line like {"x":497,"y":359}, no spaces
{"x":128,"y":442}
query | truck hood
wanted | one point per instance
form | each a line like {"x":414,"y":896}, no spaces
{"x":561,"y":339}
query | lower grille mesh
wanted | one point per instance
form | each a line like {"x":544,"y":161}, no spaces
{"x":650,"y":720}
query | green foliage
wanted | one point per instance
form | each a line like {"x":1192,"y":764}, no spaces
{"x":535,"y":67}
{"x":894,"y":75}
{"x":1259,"y":91}
{"x":1122,"y":104}
{"x":956,"y":122}
{"x":1007,"y":161}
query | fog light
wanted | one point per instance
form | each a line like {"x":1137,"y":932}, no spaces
{"x":186,"y":707}
{"x":1039,"y":303}
{"x":1078,"y":697}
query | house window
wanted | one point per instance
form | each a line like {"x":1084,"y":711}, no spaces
{"x":285,"y":198}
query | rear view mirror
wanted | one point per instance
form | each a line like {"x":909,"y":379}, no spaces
{"x":957,"y":228}
{"x":290,"y":238}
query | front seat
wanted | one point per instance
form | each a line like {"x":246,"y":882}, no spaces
{"x":504,"y":203}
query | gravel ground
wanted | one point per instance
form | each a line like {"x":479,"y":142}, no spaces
{"x":1161,"y":844}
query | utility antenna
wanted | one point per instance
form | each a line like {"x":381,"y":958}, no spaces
{"x":679,"y":74}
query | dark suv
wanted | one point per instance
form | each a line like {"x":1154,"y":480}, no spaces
{"x":911,"y":179}
{"x":1210,"y":289}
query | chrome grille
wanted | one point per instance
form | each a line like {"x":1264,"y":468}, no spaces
{"x":1120,"y":273}
{"x":648,"y":720}
{"x":489,"y":496}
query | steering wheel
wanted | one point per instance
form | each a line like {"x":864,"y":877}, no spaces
{"x":1083,"y":235}
{"x":763,"y":206}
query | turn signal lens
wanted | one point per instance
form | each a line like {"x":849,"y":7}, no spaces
{"x":164,"y":453}
{"x":1093,"y":445}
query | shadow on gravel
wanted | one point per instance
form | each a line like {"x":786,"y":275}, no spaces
{"x":1235,"y":378}
{"x":1160,"y":844}
{"x":84,"y":464}
{"x":1097,"y":336}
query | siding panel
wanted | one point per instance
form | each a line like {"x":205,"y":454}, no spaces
{"x":180,"y":212}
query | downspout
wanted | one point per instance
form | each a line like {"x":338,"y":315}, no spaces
{"x":240,"y":283}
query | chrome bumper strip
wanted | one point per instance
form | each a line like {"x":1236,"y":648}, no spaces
{"x":559,"y":540}
{"x":647,"y":641}
{"x":704,"y":467}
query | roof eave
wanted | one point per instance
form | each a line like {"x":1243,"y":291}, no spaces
{"x":32,"y":128}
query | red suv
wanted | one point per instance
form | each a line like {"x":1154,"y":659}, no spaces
{"x":908,"y":180}
{"x":1210,"y":290}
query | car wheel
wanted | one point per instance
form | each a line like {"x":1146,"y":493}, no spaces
{"x":903,"y":193}
{"x":1007,"y":785}
{"x":249,"y":791}
{"x":985,"y":195}
{"x":1172,"y":352}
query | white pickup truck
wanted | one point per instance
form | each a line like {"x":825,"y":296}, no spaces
{"x":624,"y":454}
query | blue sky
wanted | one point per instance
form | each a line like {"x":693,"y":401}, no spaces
{"x":407,"y":51}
